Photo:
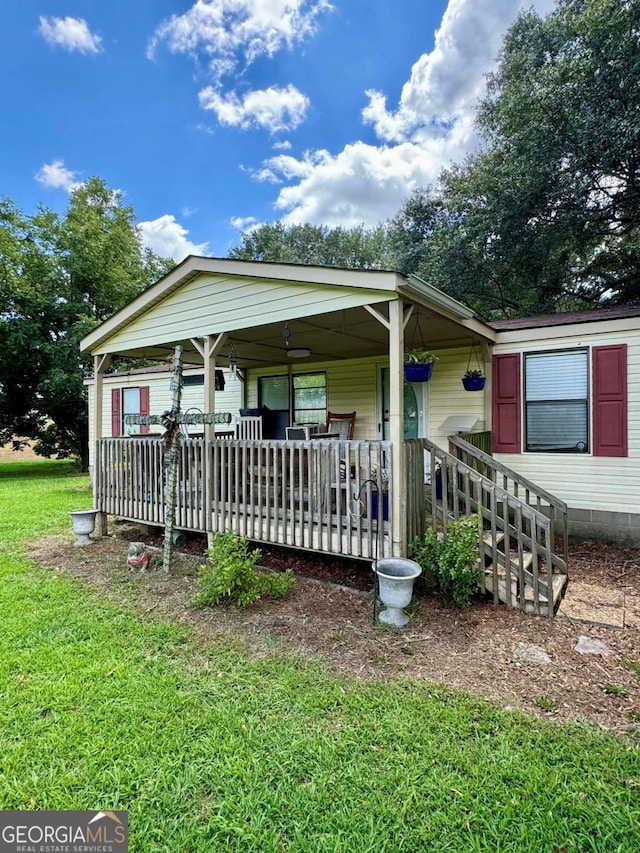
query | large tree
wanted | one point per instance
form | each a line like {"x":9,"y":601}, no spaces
{"x":547,"y":214}
{"x":61,"y":275}
{"x":358,"y":247}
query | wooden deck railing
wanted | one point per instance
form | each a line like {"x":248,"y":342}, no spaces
{"x":456,"y":490}
{"x":520,"y":487}
{"x":482,"y":440}
{"x":329,"y":496}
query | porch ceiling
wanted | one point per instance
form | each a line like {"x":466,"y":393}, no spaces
{"x":251,"y":302}
{"x":336,"y":335}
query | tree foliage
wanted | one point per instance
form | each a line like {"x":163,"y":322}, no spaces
{"x":59,"y":277}
{"x":547,"y":215}
{"x":359,"y":247}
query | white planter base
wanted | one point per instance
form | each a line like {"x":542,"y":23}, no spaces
{"x":395,"y":582}
{"x":83,"y":522}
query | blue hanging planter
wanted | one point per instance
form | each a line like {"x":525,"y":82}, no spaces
{"x":418,"y":372}
{"x":474,"y":383}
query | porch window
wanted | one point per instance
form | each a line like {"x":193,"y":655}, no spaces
{"x":130,"y":406}
{"x":301,"y":398}
{"x":557,"y":401}
{"x":310,"y":398}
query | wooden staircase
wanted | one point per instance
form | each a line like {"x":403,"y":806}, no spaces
{"x":505,"y":573}
{"x":521,"y":565}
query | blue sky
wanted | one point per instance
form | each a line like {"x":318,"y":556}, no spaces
{"x":217,"y":115}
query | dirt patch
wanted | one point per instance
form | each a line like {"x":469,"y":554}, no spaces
{"x":16,"y":450}
{"x":328,"y":616}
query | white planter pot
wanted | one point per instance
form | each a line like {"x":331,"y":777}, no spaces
{"x":83,"y":522}
{"x":395,"y":580}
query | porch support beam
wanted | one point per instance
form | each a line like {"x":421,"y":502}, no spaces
{"x":378,"y":316}
{"x":396,"y":427}
{"x":100,"y":366}
{"x":487,"y":357}
{"x":211,"y":346}
{"x":408,"y":311}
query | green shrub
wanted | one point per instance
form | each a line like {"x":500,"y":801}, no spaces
{"x":231,"y":573}
{"x":452,"y":559}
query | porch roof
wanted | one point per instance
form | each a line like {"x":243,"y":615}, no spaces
{"x":329,"y":310}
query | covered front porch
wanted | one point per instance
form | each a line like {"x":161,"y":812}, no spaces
{"x":366,"y":497}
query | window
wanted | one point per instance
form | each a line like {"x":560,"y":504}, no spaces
{"x":557,"y":401}
{"x":130,"y":406}
{"x":195,"y":381}
{"x":301,"y":398}
{"x":129,"y":401}
{"x":310,"y":398}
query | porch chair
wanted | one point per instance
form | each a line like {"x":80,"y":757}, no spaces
{"x":342,"y":424}
{"x":248,"y":427}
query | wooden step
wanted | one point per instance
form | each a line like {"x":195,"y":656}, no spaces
{"x":502,"y":586}
{"x":559,"y":584}
{"x":488,"y":538}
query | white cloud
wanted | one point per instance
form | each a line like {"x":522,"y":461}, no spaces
{"x":432,"y":127}
{"x":283,"y":145}
{"x":56,"y":176}
{"x":70,"y":34}
{"x":167,"y":238}
{"x":187,"y":211}
{"x":272,"y":109}
{"x":363,"y":183}
{"x":244,"y":223}
{"x":228,"y":32}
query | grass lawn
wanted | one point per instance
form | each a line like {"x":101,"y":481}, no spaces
{"x":212,"y":749}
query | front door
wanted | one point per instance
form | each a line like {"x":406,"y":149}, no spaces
{"x":415,"y":408}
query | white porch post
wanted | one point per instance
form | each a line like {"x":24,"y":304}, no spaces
{"x":487,"y":356}
{"x":396,"y":427}
{"x":208,"y":348}
{"x":100,"y":365}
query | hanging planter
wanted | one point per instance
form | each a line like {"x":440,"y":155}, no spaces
{"x":474,"y":379}
{"x":418,"y":365}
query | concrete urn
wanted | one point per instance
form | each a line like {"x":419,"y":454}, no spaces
{"x":83,"y":522}
{"x":395,"y":581}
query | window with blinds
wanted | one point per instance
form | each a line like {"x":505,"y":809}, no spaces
{"x":557,"y":401}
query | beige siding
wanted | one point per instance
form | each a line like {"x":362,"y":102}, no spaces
{"x":582,"y":480}
{"x":185,"y":313}
{"x":351,"y":386}
{"x":229,"y":400}
{"x":447,"y":396}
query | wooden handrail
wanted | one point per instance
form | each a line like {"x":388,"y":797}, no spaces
{"x":557,"y":506}
{"x":329,"y":496}
{"x":458,"y":489}
{"x":490,"y":462}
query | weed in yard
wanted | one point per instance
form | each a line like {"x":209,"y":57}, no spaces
{"x":614,"y":689}
{"x":545,"y":703}
{"x":632,"y":665}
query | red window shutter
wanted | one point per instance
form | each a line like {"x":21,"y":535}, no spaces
{"x":610,"y":400}
{"x":506,"y":403}
{"x":144,"y":407}
{"x":116,"y":413}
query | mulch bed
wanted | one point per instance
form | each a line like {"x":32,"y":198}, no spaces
{"x":328,"y":616}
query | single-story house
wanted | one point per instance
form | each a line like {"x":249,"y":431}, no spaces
{"x":551,"y":442}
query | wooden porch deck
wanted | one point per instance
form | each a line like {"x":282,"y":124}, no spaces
{"x":335,"y":497}
{"x":317,"y":495}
